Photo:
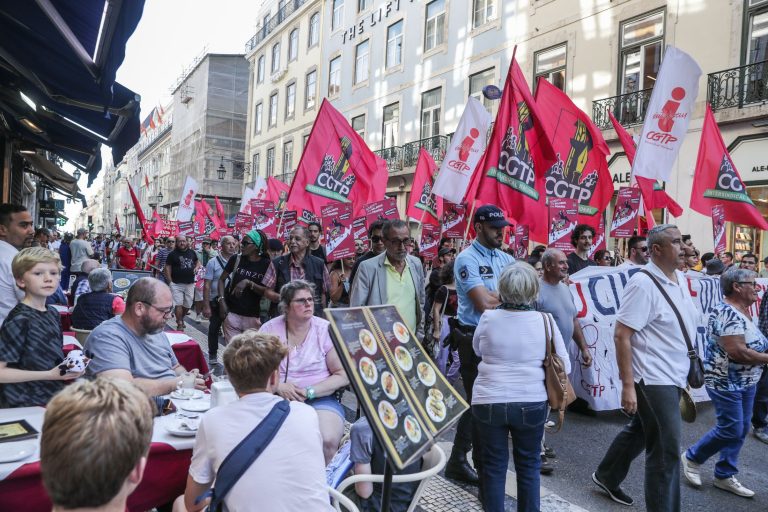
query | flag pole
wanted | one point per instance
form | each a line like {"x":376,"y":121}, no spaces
{"x":469,"y":221}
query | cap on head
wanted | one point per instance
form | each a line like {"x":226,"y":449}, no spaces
{"x":491,"y":215}
{"x":446,"y":250}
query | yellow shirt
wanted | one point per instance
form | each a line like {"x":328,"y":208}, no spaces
{"x":402,"y":293}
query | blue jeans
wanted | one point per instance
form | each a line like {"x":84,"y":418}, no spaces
{"x":494,"y":423}
{"x":734,"y":412}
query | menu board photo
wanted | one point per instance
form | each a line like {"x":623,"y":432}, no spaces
{"x":407,"y":400}
{"x":123,"y":279}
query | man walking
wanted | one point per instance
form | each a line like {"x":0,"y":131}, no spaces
{"x":638,"y":251}
{"x":180,"y":268}
{"x":477,"y":270}
{"x":653,"y":365}
{"x":581,"y":240}
{"x":314,"y":230}
{"x":377,"y":246}
{"x":81,"y":250}
{"x":211,"y":297}
{"x":16,"y":232}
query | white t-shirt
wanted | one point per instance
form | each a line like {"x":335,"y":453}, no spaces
{"x":10,"y":294}
{"x":289,"y":475}
{"x":512,"y":345}
{"x":81,"y":251}
{"x":659,"y":352}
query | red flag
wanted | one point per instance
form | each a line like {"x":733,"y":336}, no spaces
{"x":511,"y":172}
{"x":653,"y":195}
{"x":220,"y":211}
{"x":716,"y":180}
{"x":423,"y":205}
{"x":581,"y":169}
{"x":146,"y":180}
{"x":140,"y":215}
{"x":117,"y":225}
{"x":277,"y":192}
{"x":336,"y":166}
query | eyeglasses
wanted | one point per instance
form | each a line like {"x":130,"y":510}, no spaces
{"x":606,"y":258}
{"x":246,"y":244}
{"x":376,"y":239}
{"x":643,"y":249}
{"x":306,"y":301}
{"x":398,"y":241}
{"x":751,"y":283}
{"x":164,"y":311}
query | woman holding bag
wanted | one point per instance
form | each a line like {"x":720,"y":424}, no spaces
{"x":509,"y":397}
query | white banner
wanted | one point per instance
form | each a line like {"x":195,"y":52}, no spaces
{"x":259,"y":191}
{"x":597,"y":293}
{"x":187,"y":200}
{"x":667,"y":116}
{"x":466,"y":148}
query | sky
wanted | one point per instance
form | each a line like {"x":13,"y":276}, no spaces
{"x":170,"y":34}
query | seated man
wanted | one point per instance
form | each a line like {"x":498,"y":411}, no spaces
{"x":133,"y":346}
{"x":289,"y":474}
{"x":81,"y":286}
{"x":74,"y":443}
{"x":368,"y":456}
{"x":100,"y":304}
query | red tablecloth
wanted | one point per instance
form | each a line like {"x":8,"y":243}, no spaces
{"x":66,"y":320}
{"x":164,"y":479}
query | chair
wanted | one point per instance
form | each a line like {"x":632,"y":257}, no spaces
{"x":432,"y":463}
{"x":81,"y":335}
{"x":337,"y":498}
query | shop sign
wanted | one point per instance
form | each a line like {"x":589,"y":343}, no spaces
{"x":47,"y":209}
{"x":370,"y":20}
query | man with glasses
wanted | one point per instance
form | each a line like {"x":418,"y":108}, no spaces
{"x":377,"y":246}
{"x":581,"y":240}
{"x":638,"y":252}
{"x":133,"y":346}
{"x":180,"y":269}
{"x":393,"y":277}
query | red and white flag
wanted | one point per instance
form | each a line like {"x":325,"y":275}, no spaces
{"x":187,"y":200}
{"x":424,"y":206}
{"x":277,"y":192}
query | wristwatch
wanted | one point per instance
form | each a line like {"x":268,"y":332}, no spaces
{"x":310,"y":392}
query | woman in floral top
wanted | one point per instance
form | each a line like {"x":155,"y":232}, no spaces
{"x":733,"y":362}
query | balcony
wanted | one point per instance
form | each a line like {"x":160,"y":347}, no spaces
{"x":435,"y":146}
{"x":738,"y":87}
{"x":286,"y":177}
{"x":629,"y":109}
{"x":282,"y":15}
{"x":393,"y":156}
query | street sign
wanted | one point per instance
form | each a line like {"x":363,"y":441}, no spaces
{"x":59,"y":204}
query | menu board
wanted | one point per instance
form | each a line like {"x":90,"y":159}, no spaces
{"x":407,"y":400}
{"x":123,"y":279}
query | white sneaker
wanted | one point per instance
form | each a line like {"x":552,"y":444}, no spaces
{"x":734,"y":486}
{"x":691,"y":471}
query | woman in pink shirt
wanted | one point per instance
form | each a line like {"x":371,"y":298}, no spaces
{"x":311,"y":372}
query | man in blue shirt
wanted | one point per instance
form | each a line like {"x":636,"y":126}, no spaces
{"x":477,"y":270}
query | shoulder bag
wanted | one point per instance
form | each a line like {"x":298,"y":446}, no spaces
{"x":560,"y":393}
{"x":244,"y":455}
{"x":696,"y":368}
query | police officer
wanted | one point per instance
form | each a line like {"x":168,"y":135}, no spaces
{"x":477,"y":270}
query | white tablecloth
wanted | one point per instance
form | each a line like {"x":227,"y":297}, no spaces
{"x":71,"y":340}
{"x":177,"y":337}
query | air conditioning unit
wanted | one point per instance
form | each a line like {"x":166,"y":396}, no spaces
{"x":278,"y":75}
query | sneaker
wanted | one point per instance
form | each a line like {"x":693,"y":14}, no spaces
{"x":549,"y":452}
{"x":732,"y":485}
{"x":616,"y":495}
{"x":550,"y":424}
{"x":761,"y":433}
{"x":690,"y":470}
{"x":546,"y":467}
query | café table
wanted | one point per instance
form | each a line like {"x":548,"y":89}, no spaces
{"x":65,"y":313}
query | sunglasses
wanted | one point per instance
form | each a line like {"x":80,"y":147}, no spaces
{"x":376,"y":239}
{"x":246,"y":244}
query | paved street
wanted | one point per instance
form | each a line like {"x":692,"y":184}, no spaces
{"x":579,"y":447}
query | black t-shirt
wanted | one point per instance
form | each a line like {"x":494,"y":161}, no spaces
{"x":448,"y":301}
{"x":248,"y":303}
{"x":319,"y":252}
{"x":182,"y":264}
{"x":575,"y":263}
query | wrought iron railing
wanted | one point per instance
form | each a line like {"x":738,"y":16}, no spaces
{"x":629,"y":109}
{"x":393,"y":156}
{"x":737,"y":87}
{"x":286,"y":177}
{"x":282,"y":15}
{"x":436,"y":146}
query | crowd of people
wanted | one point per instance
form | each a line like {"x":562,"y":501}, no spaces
{"x":484,"y":316}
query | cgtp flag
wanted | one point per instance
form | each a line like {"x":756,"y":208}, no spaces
{"x":424,"y":206}
{"x":581,"y":170}
{"x":336,"y":166}
{"x":667,"y":116}
{"x":716,"y":180}
{"x":718,"y":229}
{"x":466,"y":149}
{"x":277,"y":192}
{"x":511,"y":172}
{"x":140,"y":216}
{"x":187,"y":200}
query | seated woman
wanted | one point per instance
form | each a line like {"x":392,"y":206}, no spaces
{"x":311,"y":372}
{"x":100,"y":304}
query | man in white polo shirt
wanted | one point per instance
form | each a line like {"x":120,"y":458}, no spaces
{"x":651,"y":353}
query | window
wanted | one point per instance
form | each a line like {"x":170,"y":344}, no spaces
{"x":391,"y":126}
{"x":275,"y":58}
{"x":270,"y":162}
{"x":358,"y":124}
{"x":757,"y":35}
{"x":483,"y":11}
{"x":641,"y":41}
{"x":550,"y":64}
{"x":334,"y":76}
{"x":256,"y":164}
{"x":293,"y":45}
{"x":338,"y":14}
{"x":290,"y":100}
{"x":434,"y":32}
{"x":361,"y":62}
{"x":304,"y":142}
{"x":314,"y":30}
{"x":476,"y":84}
{"x":430,"y":113}
{"x":394,"y":44}
{"x":287,"y":157}
{"x":363,"y":5}
{"x":258,"y":113}
{"x":260,"y":68}
{"x":273,"y":110}
{"x":310,"y":90}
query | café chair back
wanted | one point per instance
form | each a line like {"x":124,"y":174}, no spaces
{"x":81,"y":335}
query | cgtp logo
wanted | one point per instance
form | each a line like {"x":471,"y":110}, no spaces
{"x":466,"y":147}
{"x":728,"y":185}
{"x":515,"y":159}
{"x":667,"y":117}
{"x":567,"y":179}
{"x":333,"y":180}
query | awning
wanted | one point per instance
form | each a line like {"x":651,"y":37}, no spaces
{"x":52,"y":174}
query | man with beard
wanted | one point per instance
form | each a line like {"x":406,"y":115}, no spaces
{"x":133,"y":346}
{"x":16,"y":232}
{"x":316,"y":249}
{"x":638,"y":252}
{"x":581,"y":240}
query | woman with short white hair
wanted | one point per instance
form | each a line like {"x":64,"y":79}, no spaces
{"x":509,"y":397}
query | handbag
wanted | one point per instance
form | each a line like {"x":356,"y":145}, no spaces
{"x":560,"y":393}
{"x":696,"y":367}
{"x":244,"y":454}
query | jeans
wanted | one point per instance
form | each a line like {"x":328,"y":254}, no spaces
{"x":733,"y":410}
{"x":656,"y":428}
{"x":760,"y":409}
{"x":213,"y":329}
{"x":525,"y":422}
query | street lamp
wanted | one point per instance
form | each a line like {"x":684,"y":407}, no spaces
{"x":69,"y":200}
{"x":77,"y":174}
{"x":125,"y":210}
{"x":221,"y":170}
{"x":159,"y":197}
